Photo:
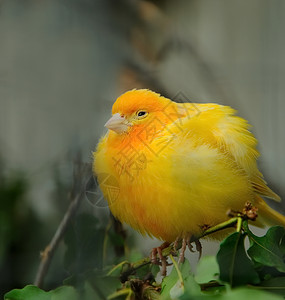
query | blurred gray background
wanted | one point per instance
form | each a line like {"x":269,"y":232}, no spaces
{"x":64,"y":62}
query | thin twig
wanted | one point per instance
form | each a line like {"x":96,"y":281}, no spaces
{"x":77,"y":193}
{"x":48,"y":253}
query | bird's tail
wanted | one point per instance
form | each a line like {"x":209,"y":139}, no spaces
{"x":268,"y":214}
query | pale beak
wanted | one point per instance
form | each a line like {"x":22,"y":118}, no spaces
{"x":118,"y":123}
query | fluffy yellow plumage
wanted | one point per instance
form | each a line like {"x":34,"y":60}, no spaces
{"x":179,"y":167}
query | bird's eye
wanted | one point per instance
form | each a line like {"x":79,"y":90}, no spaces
{"x":141,"y":114}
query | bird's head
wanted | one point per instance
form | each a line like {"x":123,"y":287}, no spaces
{"x":136,"y":108}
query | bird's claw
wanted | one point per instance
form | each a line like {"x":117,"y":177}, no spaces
{"x":198,"y":247}
{"x":186,"y":242}
{"x":157,"y":258}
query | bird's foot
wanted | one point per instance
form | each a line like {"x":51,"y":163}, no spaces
{"x":198,"y":247}
{"x":186,"y":241}
{"x":157,"y":258}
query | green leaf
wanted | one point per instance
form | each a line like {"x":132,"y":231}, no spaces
{"x":248,"y":293}
{"x":167,"y":284}
{"x":266,"y":272}
{"x":268,"y":250}
{"x":236,"y":294}
{"x":172,"y":287}
{"x":235,"y":267}
{"x":191,"y":287}
{"x":64,"y":292}
{"x":207,"y":269}
{"x":31,"y":292}
{"x":154,"y":270}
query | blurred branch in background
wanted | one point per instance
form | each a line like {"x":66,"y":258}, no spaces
{"x":87,"y":241}
{"x":80,"y":176}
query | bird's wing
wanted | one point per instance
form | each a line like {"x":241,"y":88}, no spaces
{"x":218,"y":126}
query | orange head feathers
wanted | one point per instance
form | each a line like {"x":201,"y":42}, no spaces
{"x":133,"y":100}
{"x":134,"y":109}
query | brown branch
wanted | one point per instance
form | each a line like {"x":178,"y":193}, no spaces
{"x":48,"y":253}
{"x":80,"y":172}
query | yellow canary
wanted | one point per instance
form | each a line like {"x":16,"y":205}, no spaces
{"x":175,"y":168}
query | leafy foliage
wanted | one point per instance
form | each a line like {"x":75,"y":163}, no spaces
{"x":235,"y":266}
{"x":261,"y":265}
{"x":179,"y":282}
{"x":32,"y":292}
{"x":207,"y":269}
{"x":236,"y":271}
{"x":269,"y":250}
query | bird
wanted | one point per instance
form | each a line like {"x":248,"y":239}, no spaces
{"x":170,"y":169}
